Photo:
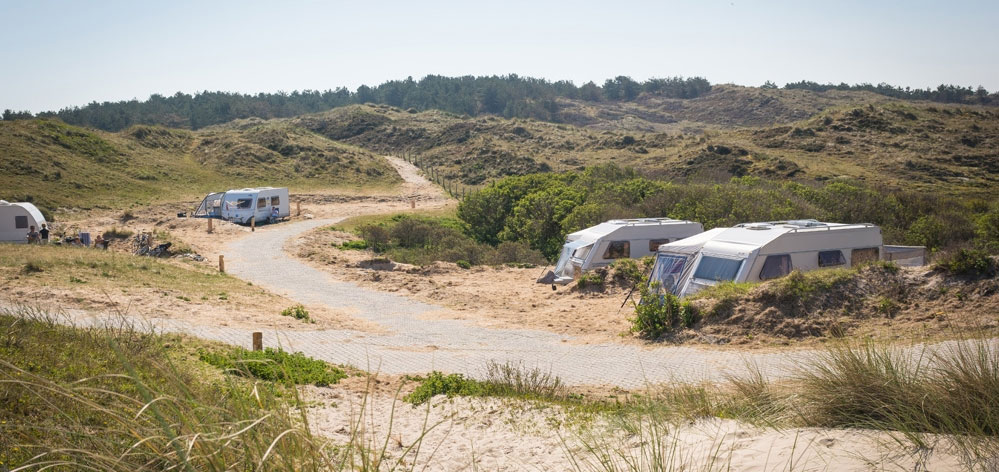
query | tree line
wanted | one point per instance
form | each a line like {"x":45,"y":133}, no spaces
{"x":943,"y":93}
{"x":510,"y":96}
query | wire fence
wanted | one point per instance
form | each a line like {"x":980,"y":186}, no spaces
{"x":453,"y":187}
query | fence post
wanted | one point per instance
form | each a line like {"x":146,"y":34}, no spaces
{"x":298,"y":208}
{"x":253,"y":223}
{"x":221,"y":263}
{"x":210,"y":225}
{"x":258,"y":341}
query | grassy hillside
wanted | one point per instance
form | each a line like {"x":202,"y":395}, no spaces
{"x":890,"y":143}
{"x":731,"y":131}
{"x":58,"y":165}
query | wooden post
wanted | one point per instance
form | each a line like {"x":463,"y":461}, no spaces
{"x":221,"y":263}
{"x":253,"y":223}
{"x":258,"y":341}
{"x":210,"y":225}
{"x":412,"y":203}
{"x":298,"y":208}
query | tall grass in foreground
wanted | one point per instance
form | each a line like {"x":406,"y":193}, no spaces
{"x":949,"y":392}
{"x":117,"y":397}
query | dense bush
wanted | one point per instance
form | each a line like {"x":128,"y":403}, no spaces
{"x":540,"y":209}
{"x":968,"y":262}
{"x":423,"y":240}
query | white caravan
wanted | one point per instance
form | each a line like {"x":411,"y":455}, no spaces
{"x":753,"y":252}
{"x":598,"y":246}
{"x":16,"y":220}
{"x":239,"y":206}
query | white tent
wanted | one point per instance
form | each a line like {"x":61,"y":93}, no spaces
{"x":600,"y":245}
{"x":760,"y":251}
{"x":16,"y":219}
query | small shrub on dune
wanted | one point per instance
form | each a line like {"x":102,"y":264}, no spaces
{"x":594,"y":279}
{"x":659,"y":313}
{"x":968,"y":262}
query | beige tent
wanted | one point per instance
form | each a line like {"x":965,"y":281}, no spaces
{"x":761,"y":251}
{"x":600,"y":245}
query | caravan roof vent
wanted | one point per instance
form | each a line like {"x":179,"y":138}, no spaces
{"x":758,"y":226}
{"x":4,"y":203}
{"x":806,"y":223}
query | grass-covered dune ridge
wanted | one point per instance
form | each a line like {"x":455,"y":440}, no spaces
{"x":57,"y":165}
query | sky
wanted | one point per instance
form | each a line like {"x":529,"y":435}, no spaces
{"x":58,"y":54}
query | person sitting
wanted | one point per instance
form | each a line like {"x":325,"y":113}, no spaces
{"x":33,"y":236}
{"x":99,"y":242}
{"x":275,"y":215}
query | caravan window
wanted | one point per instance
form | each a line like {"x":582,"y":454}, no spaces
{"x":717,"y":268}
{"x":21,"y":222}
{"x":860,"y":256}
{"x":776,"y":266}
{"x":275,"y":201}
{"x":244,"y":203}
{"x":582,"y":252}
{"x":618,"y":249}
{"x":261,"y":202}
{"x":655,"y":243}
{"x":831,"y":258}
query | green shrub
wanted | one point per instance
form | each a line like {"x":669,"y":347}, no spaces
{"x":464,"y":264}
{"x":626,"y":271}
{"x":439,"y":384}
{"x":376,"y":236}
{"x":968,"y":262}
{"x":887,"y":307}
{"x":274,"y":365}
{"x":358,"y":244}
{"x":801,"y":287}
{"x":659,"y":313}
{"x":296,"y":311}
{"x":592,"y":279}
{"x":32,"y":267}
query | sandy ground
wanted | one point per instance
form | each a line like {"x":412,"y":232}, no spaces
{"x":496,"y":297}
{"x":460,"y":434}
{"x":259,"y":309}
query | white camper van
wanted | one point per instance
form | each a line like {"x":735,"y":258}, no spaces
{"x":753,"y":252}
{"x":16,"y":219}
{"x":598,"y":246}
{"x":242,"y":205}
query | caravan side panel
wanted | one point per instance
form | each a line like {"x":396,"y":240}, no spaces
{"x":804,"y":247}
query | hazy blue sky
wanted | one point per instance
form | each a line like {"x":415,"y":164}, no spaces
{"x":61,"y":53}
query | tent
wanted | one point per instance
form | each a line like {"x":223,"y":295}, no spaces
{"x":16,"y":219}
{"x":754,"y":252}
{"x":600,"y":245}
